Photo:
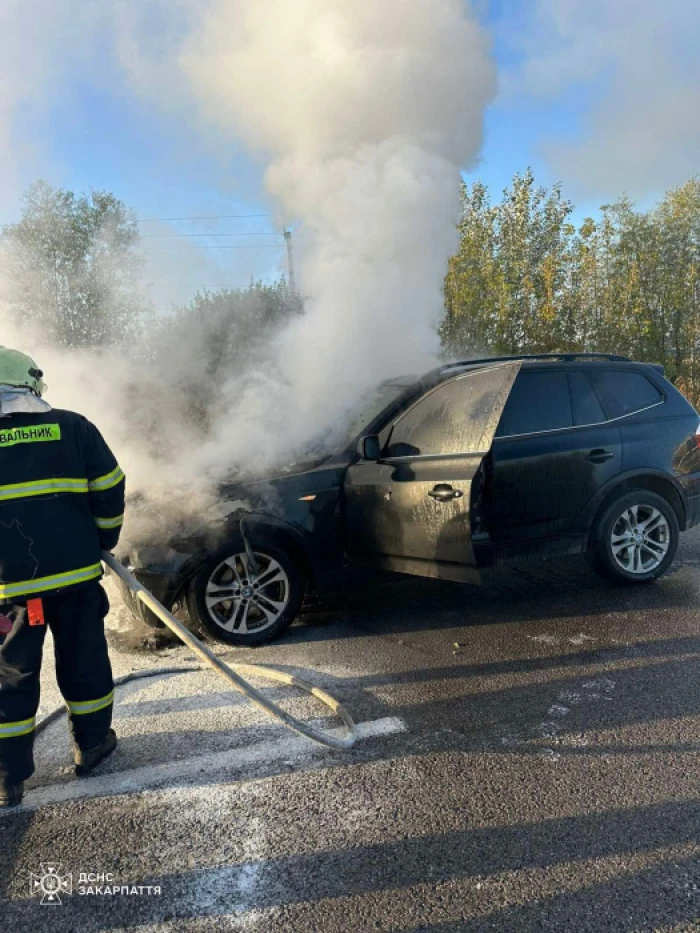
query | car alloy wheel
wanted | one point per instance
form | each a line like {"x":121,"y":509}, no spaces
{"x":640,"y":539}
{"x":242,"y":600}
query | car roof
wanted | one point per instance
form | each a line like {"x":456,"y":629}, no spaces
{"x":414,"y":387}
{"x":546,"y":359}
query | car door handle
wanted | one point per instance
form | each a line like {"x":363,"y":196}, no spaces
{"x":443,"y":492}
{"x":599,"y":455}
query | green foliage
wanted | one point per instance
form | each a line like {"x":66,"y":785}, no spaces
{"x":220,"y":339}
{"x":525,"y":280}
{"x":233,"y":324}
{"x":73,"y":266}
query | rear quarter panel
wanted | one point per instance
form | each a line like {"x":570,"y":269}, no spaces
{"x":659,"y":441}
{"x":662,"y":441}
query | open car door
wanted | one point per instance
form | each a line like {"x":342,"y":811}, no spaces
{"x":410,"y":511}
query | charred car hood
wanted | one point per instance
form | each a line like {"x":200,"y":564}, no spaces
{"x":280,"y":494}
{"x":281,"y":471}
{"x":296,"y":499}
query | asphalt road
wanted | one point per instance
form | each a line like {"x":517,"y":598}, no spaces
{"x":531,"y":761}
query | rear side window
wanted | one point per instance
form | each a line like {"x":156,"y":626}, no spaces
{"x":584,"y":401}
{"x":624,"y":392}
{"x":540,"y":401}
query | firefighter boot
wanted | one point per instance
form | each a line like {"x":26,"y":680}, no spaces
{"x":87,"y":760}
{"x":11,"y":794}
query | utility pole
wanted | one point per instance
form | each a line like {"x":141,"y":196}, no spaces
{"x":290,"y":260}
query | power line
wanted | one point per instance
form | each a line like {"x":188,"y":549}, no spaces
{"x":148,"y":220}
{"x":165,"y":249}
{"x":233,"y":283}
{"x":155,"y":236}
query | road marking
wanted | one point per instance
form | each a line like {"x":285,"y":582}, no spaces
{"x":233,"y":760}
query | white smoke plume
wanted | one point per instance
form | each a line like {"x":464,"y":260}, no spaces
{"x":364,"y":114}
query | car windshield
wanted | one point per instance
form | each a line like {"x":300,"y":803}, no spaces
{"x":336,"y":438}
{"x":366,"y":409}
{"x":355,"y":418}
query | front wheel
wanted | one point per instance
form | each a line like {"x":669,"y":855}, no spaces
{"x":635,"y":538}
{"x":244,"y":605}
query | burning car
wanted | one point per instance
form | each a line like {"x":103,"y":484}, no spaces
{"x":476,"y":463}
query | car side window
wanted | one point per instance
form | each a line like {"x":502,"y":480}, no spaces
{"x":584,"y":400}
{"x":459,"y":416}
{"x":625,"y":392}
{"x":540,"y":401}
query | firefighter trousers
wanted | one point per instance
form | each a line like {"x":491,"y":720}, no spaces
{"x":83,"y":671}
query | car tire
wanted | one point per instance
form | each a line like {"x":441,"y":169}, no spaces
{"x":227,"y":620}
{"x":626,"y":552}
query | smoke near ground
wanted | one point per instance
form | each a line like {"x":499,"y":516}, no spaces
{"x":364,"y":113}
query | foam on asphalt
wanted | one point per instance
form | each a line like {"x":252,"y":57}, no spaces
{"x":534,"y":766}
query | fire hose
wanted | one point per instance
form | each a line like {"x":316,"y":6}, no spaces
{"x":231,"y":674}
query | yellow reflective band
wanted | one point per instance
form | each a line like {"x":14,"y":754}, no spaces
{"x":55,"y":582}
{"x":29,"y":435}
{"x":42,"y":487}
{"x":9,"y":730}
{"x":90,"y":706}
{"x":110,"y":522}
{"x":107,"y":481}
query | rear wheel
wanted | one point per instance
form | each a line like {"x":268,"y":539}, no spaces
{"x":240,"y":604}
{"x":635,"y":538}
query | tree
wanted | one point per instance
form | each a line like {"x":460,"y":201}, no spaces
{"x":524,"y":280}
{"x":73,"y":266}
{"x":643,"y":271}
{"x":507,"y":285}
{"x":222,"y":340}
{"x":473,"y":284}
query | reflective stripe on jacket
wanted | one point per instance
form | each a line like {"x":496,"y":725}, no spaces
{"x":61,"y":503}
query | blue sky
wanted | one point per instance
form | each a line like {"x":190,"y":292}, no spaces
{"x":575,"y":98}
{"x":98,"y":139}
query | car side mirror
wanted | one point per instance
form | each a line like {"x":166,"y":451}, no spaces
{"x":369,"y":447}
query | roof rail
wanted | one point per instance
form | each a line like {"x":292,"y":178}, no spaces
{"x":564,"y":357}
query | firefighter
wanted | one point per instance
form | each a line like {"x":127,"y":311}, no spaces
{"x":61,"y":504}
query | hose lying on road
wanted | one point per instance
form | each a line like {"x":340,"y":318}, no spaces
{"x":234,"y":678}
{"x":55,"y":714}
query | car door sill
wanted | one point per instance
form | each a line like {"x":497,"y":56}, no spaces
{"x":458,"y":573}
{"x":491,"y":553}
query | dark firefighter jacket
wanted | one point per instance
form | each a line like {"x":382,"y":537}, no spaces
{"x":61,"y":503}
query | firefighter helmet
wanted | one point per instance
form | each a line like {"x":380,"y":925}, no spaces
{"x":20,"y":371}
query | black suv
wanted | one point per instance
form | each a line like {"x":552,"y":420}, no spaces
{"x":476,"y":463}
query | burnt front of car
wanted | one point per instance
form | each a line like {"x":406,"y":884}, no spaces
{"x":160,"y":570}
{"x":304,"y":502}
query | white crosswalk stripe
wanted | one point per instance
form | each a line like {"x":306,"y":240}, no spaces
{"x":182,"y":731}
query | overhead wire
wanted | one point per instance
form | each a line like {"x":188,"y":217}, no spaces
{"x":148,"y":220}
{"x":161,"y":249}
{"x":155,"y":236}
